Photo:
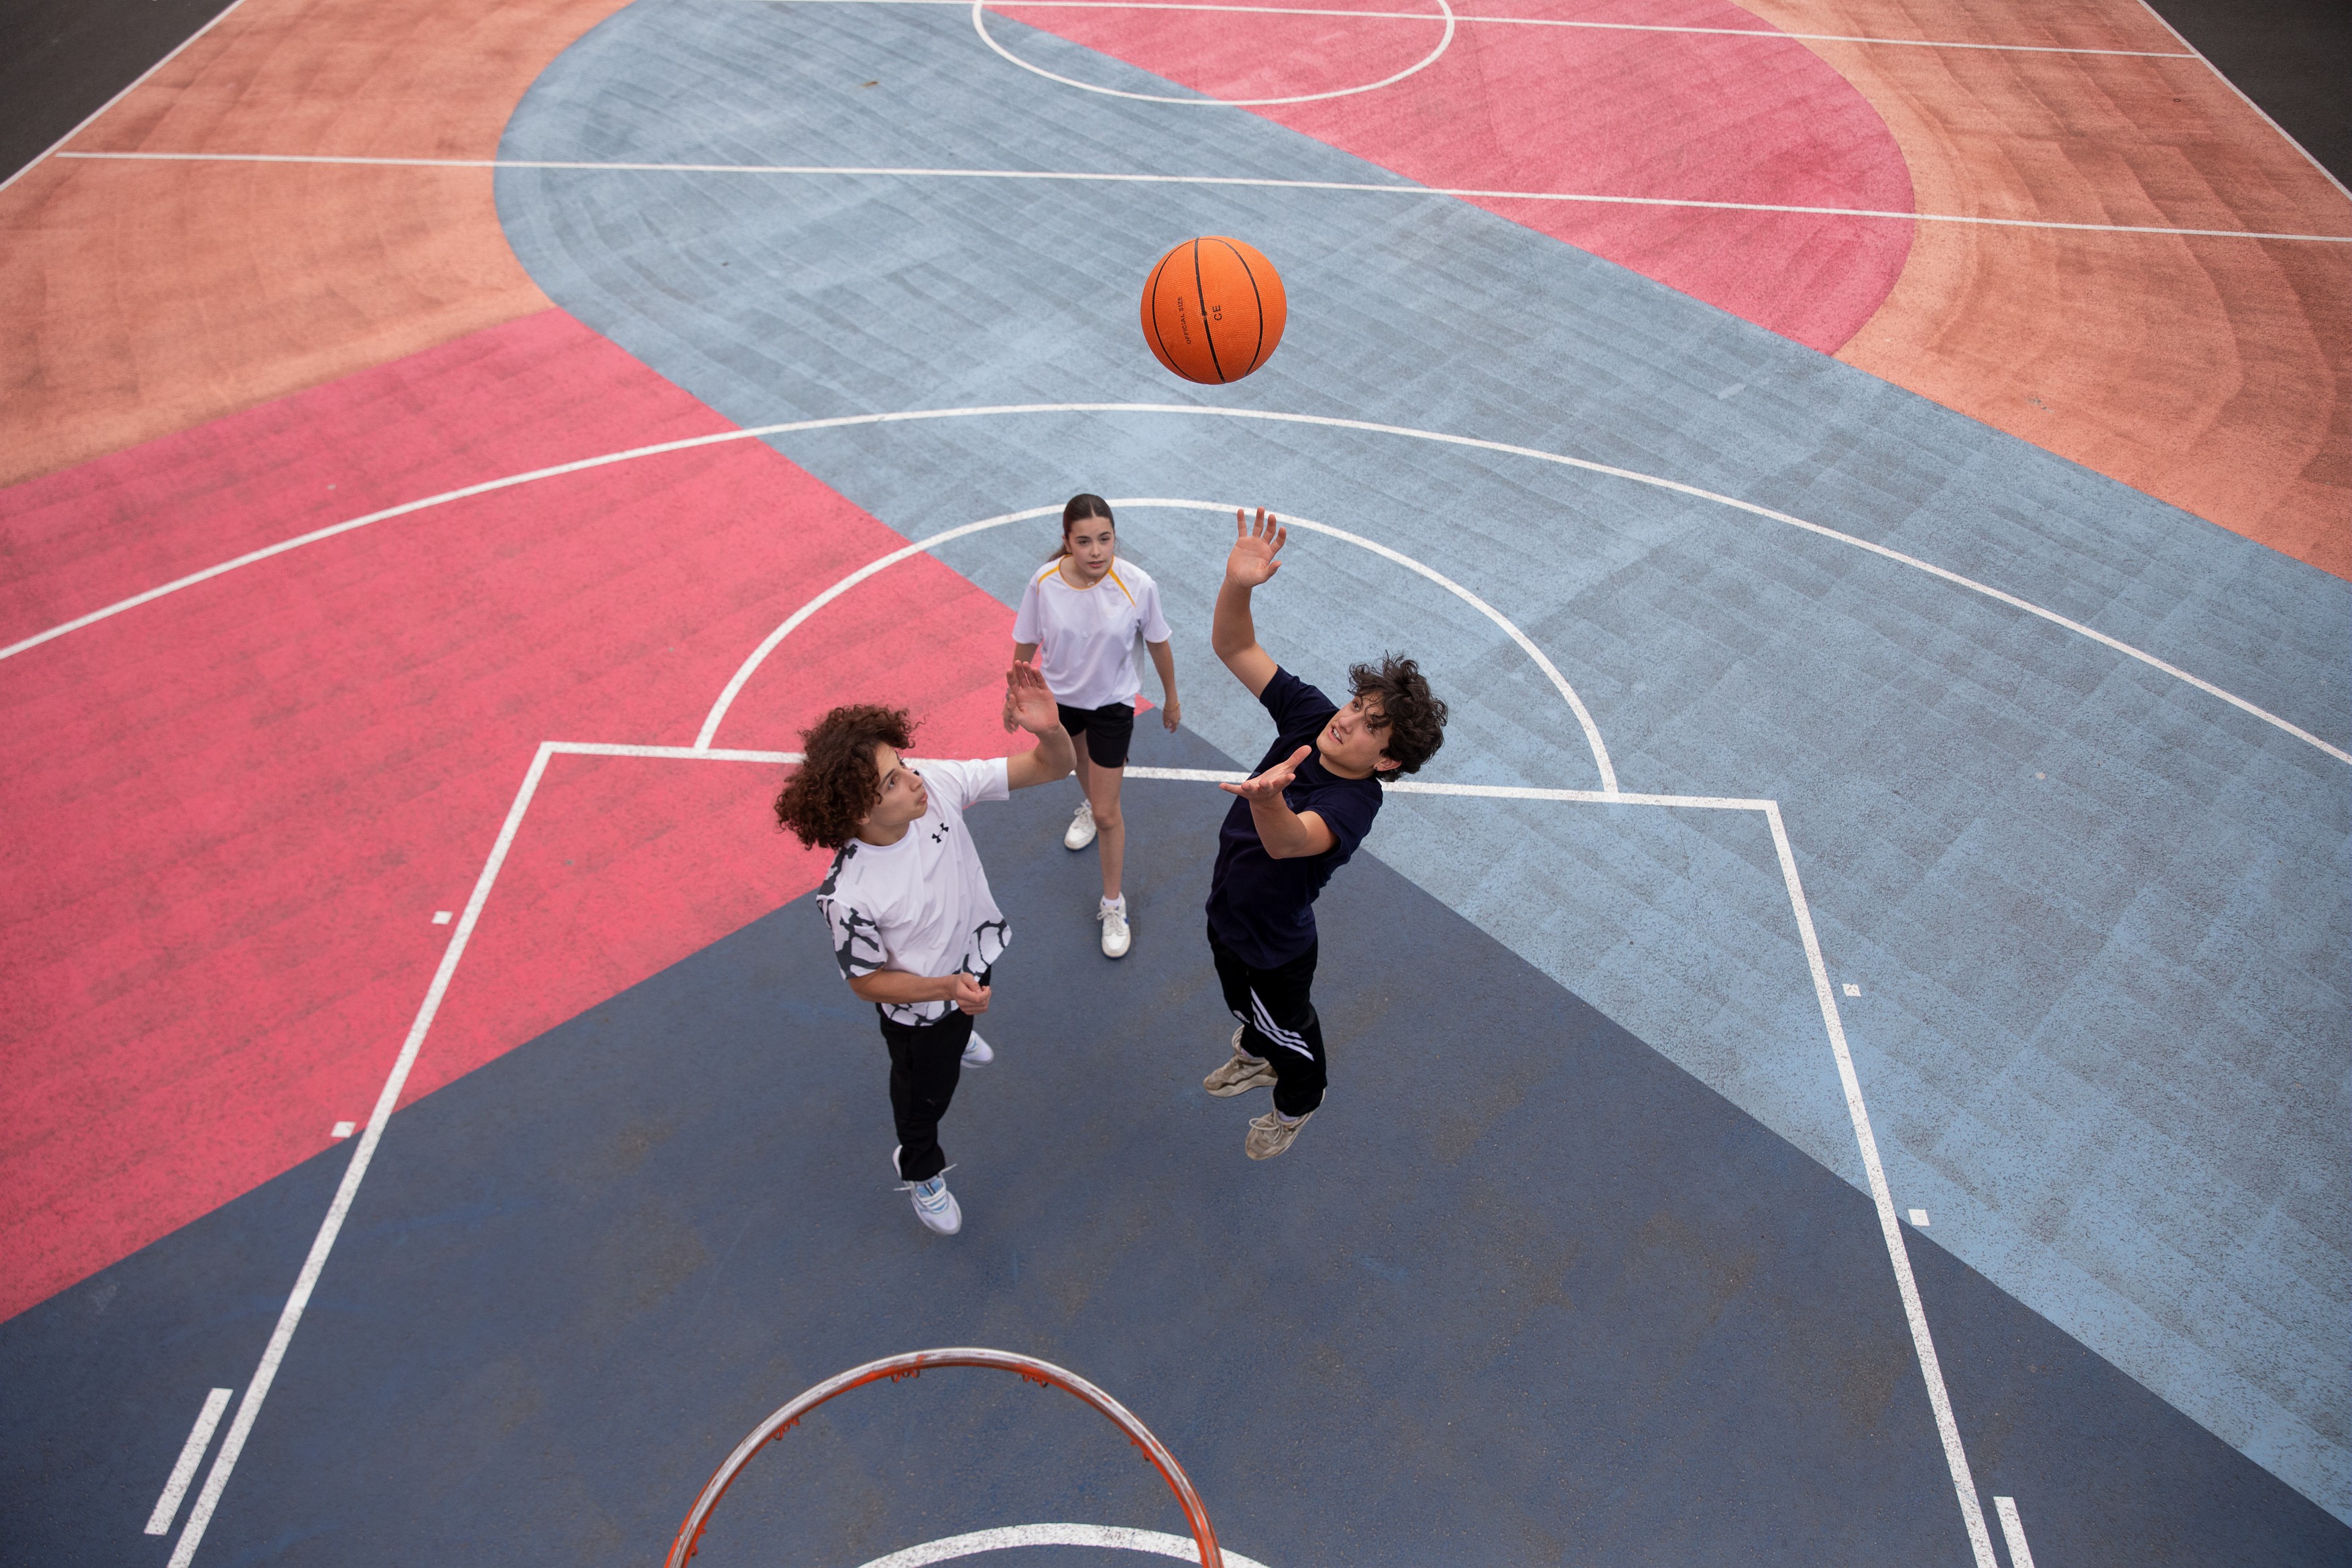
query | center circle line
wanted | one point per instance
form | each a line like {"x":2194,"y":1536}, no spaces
{"x":980,"y":25}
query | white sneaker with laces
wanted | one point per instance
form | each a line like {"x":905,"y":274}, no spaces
{"x":1081,"y":832}
{"x":977,"y":1054}
{"x":1116,"y":939}
{"x":935,"y":1206}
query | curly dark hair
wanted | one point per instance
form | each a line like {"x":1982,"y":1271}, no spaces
{"x":1413,"y":720}
{"x":836,"y":785}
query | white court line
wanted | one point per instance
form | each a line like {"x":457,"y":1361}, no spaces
{"x":1931,"y":1371}
{"x":1445,"y":42}
{"x":137,"y":82}
{"x":1087,"y":176}
{"x":743,"y":672}
{"x":1505,"y":22}
{"x":1475,"y":791}
{"x":845,"y":422}
{"x":1187,"y":775}
{"x":792,"y":623}
{"x":192,"y":1454}
{"x":1109,"y":1537}
{"x":1890,"y":1226}
{"x":2012,"y":1530}
{"x":291,"y":1317}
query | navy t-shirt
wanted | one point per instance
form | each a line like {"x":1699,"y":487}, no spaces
{"x":1263,"y":908}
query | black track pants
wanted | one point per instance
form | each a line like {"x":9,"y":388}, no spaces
{"x":1278,"y":1022}
{"x":926,"y":1063}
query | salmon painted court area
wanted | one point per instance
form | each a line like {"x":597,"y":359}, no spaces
{"x":1324,"y":784}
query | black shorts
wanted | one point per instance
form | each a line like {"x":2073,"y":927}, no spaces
{"x":1107,"y":729}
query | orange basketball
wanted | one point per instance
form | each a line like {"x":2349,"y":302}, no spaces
{"x":1214,"y":309}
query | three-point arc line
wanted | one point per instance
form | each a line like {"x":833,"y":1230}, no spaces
{"x":1190,"y":410}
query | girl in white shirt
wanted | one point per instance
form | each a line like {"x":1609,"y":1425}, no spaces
{"x":1085,"y":608}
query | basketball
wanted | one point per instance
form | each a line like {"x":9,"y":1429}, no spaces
{"x":1214,"y":309}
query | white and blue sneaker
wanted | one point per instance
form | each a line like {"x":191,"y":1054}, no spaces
{"x":1081,"y":830}
{"x":935,"y":1206}
{"x":1115,"y":934}
{"x":977,"y":1053}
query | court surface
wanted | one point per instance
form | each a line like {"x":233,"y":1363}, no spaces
{"x":1843,"y":1058}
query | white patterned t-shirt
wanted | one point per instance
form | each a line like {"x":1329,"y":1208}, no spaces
{"x":922,"y":905}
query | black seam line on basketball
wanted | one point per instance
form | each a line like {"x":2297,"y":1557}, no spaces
{"x":1250,"y":273}
{"x":1151,"y":293}
{"x":1200,"y":298}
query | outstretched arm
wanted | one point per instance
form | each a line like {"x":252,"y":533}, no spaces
{"x":1232,"y":633}
{"x":1034,"y":710}
{"x":1286,"y":835}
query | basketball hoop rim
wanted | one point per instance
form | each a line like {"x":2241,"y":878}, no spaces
{"x":913,"y":1364}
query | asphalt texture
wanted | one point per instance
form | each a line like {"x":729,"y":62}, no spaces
{"x":61,"y":60}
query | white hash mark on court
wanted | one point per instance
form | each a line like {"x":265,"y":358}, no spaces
{"x":1852,"y":990}
{"x":345,"y":1129}
{"x":441,"y":917}
{"x":184,"y":1470}
{"x":2019,"y":1555}
{"x":1919,"y":1217}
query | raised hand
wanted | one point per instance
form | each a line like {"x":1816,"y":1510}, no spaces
{"x":1270,"y":784}
{"x":1028,"y":702}
{"x":1255,"y":545}
{"x":969,"y":996}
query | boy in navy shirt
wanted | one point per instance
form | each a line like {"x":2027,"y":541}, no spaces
{"x":1313,"y":799}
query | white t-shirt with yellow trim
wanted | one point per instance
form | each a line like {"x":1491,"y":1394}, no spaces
{"x":1086,"y":636}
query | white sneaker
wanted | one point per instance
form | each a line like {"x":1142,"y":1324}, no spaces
{"x":977,"y":1053}
{"x":935,"y":1206}
{"x":1081,"y":832}
{"x":1115,"y":937}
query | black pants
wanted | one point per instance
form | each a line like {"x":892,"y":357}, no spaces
{"x":1109,"y":730}
{"x":926,"y":1063}
{"x":1278,"y":1022}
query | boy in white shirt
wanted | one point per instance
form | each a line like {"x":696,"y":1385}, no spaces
{"x":915,"y":929}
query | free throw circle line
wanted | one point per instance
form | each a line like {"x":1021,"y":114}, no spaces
{"x":1106,"y":1537}
{"x":743,"y":672}
{"x":735,"y":684}
{"x":1445,"y":42}
{"x":984,"y":411}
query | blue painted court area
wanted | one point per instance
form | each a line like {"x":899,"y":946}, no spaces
{"x":1525,"y":1292}
{"x":2098,"y":917}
